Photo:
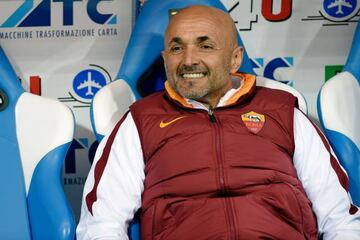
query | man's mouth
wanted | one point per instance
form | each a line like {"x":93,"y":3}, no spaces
{"x":193,"y":75}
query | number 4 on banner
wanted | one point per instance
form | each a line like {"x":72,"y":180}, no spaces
{"x":35,"y":85}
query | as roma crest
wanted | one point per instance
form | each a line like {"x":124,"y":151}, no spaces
{"x":253,"y":121}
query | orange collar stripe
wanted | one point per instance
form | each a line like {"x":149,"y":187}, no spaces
{"x":174,"y":95}
{"x":249,"y":82}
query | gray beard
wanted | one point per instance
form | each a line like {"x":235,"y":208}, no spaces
{"x":191,"y":93}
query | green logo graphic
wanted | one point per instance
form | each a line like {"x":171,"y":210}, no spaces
{"x":332,"y":70}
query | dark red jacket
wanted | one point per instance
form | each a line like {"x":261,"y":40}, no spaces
{"x":227,"y":176}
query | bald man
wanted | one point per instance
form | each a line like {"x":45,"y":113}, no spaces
{"x":214,"y":156}
{"x":202,"y":41}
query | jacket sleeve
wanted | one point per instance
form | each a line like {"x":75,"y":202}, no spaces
{"x":324,"y":181}
{"x":112,"y":192}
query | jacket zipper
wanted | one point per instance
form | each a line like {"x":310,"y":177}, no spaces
{"x":218,"y":150}
{"x":220,"y":162}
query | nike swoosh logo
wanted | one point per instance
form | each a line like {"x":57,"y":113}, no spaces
{"x":165,"y":124}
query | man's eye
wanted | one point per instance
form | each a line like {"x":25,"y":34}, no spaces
{"x":206,"y":47}
{"x":175,"y":49}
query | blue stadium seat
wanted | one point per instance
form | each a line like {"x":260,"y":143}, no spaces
{"x":142,"y":68}
{"x":35,"y":133}
{"x":339,"y":115}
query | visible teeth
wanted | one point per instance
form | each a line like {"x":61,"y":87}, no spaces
{"x":193,"y":75}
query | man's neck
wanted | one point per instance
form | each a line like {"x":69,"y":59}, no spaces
{"x":212,"y":100}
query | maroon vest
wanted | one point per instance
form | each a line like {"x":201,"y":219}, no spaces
{"x":225,"y":177}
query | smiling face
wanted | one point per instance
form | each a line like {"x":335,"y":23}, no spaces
{"x":201,"y":53}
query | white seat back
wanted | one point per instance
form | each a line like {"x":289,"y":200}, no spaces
{"x":109,"y":105}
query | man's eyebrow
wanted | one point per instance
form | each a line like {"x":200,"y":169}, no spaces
{"x":176,"y":40}
{"x":202,"y":39}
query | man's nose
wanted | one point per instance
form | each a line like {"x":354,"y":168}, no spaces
{"x":190,"y":57}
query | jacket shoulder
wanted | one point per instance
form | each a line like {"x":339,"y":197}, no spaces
{"x":151,"y":100}
{"x":276,"y":97}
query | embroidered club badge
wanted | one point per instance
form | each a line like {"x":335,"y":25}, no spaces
{"x":253,"y":121}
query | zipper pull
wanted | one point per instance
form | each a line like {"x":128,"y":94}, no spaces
{"x":211,"y":115}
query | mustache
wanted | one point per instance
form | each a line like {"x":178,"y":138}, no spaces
{"x":190,"y":69}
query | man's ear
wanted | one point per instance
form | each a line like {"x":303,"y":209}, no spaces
{"x":163,"y":55}
{"x":236,"y":59}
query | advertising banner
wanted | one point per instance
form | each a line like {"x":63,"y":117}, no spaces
{"x":67,"y":50}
